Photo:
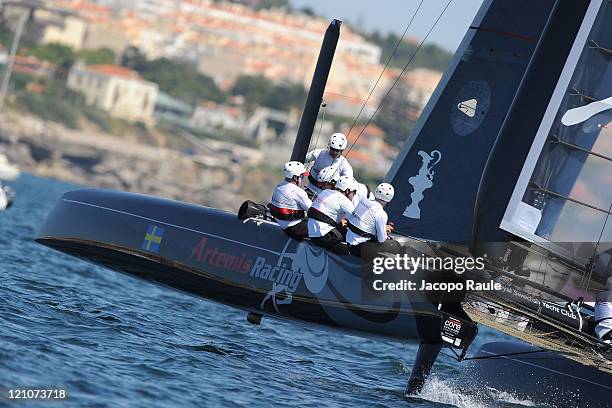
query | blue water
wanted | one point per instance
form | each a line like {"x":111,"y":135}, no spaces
{"x":112,"y":340}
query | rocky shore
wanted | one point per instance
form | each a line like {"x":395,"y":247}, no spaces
{"x":213,"y":175}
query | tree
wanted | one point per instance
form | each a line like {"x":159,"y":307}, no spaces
{"x":99,"y":56}
{"x":268,"y":4}
{"x":392,"y":118}
{"x":258,"y":90}
{"x":255,"y":89}
{"x":429,"y":56}
{"x":58,"y":54}
{"x":176,"y":78}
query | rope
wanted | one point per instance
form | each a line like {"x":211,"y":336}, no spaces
{"x":493,"y":355}
{"x":398,"y":77}
{"x":399,"y":42}
{"x":311,"y":146}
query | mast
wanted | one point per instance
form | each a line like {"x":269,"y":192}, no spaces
{"x":315,"y":94}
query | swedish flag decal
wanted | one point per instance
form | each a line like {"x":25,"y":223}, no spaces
{"x":153,"y":238}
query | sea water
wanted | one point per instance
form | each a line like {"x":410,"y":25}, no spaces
{"x":112,"y":340}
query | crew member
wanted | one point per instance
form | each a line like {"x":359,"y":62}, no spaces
{"x":603,"y":314}
{"x":362,"y":193}
{"x":290,"y":202}
{"x":328,"y":213}
{"x":368,"y":231}
{"x":332,"y":156}
{"x":327,"y":178}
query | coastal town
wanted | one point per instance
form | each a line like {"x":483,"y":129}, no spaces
{"x":129,"y":94}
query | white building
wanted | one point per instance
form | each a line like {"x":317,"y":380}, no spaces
{"x":115,"y":89}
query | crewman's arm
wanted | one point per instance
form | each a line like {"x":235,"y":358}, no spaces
{"x":347,"y":208}
{"x":345,"y":168}
{"x":303,"y":201}
{"x":312,"y":155}
{"x":381,"y":225}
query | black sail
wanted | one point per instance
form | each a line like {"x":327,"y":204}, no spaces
{"x":437,"y":173}
{"x":545,"y":181}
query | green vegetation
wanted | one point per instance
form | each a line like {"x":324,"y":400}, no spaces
{"x":429,"y":56}
{"x":6,"y":35}
{"x":268,"y":4}
{"x":52,"y":108}
{"x":176,"y":78}
{"x":258,"y":90}
{"x":64,"y":56}
{"x":393,"y":120}
{"x":58,"y":54}
{"x":95,"y":57}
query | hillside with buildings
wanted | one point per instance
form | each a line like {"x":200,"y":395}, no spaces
{"x":185,"y":74}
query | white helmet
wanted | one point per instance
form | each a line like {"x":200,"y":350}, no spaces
{"x":384,"y":192}
{"x":346,"y":183}
{"x":294,"y":168}
{"x":327,"y":175}
{"x":338,"y":141}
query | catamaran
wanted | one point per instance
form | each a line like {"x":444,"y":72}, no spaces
{"x":506,"y":162}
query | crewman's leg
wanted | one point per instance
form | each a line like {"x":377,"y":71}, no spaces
{"x":298,"y":231}
{"x":333,"y":240}
{"x":372,"y":249}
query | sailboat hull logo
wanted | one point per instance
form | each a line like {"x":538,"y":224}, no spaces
{"x":470,"y":107}
{"x":421,"y":182}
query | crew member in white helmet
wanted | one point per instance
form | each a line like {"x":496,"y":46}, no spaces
{"x":290,"y":202}
{"x":362,"y":193}
{"x":603,"y":314}
{"x":332,"y":156}
{"x":328,"y":213}
{"x":327,"y":178}
{"x":368,"y":230}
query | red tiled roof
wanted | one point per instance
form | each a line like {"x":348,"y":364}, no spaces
{"x":113,"y":70}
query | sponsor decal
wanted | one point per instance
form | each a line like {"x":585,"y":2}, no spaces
{"x":468,"y":107}
{"x":450,"y":331}
{"x":153,"y":238}
{"x":285,"y":272}
{"x":421,"y":182}
{"x":220,"y":259}
{"x":279,"y":274}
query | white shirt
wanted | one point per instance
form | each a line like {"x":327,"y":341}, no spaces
{"x":321,"y":160}
{"x":290,"y":196}
{"x":332,"y":203}
{"x":369,"y":216}
{"x":603,"y":309}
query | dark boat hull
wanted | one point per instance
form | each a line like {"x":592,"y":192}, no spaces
{"x":250,"y":265}
{"x":542,"y":377}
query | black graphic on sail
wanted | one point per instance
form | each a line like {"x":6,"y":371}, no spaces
{"x":437,"y":173}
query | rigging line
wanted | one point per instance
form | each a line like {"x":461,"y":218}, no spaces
{"x":555,"y":139}
{"x":320,"y":127}
{"x":400,"y":74}
{"x":586,"y":278}
{"x":399,"y":42}
{"x":504,"y":355}
{"x":536,"y":186}
{"x":345,"y":96}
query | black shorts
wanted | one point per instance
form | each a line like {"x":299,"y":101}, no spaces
{"x":298,"y":231}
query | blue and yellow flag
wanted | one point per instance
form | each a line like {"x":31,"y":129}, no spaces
{"x":153,"y":238}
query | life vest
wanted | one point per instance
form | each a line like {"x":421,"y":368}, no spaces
{"x":286,"y":214}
